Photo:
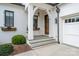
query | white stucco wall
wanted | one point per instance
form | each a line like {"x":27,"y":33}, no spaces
{"x":69,"y":8}
{"x":20,"y":21}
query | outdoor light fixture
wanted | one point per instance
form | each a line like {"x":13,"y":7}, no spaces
{"x":57,"y":9}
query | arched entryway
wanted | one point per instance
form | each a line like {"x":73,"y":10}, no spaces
{"x":36,"y":25}
{"x":41,"y":23}
{"x":37,"y":22}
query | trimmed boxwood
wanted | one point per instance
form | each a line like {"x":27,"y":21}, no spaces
{"x":18,"y":39}
{"x":6,"y":49}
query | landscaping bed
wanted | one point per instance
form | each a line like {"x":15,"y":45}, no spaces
{"x":21,"y":48}
{"x":18,"y":45}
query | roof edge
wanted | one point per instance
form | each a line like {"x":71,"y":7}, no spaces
{"x":19,"y":4}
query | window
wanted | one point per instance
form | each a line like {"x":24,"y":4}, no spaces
{"x":35,"y":22}
{"x":65,"y":20}
{"x":69,"y":20}
{"x":77,"y":19}
{"x":9,"y":18}
{"x":73,"y":19}
{"x":56,"y":20}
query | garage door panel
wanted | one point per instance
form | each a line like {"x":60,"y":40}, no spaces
{"x":71,"y":39}
{"x":71,"y":28}
{"x":71,"y":33}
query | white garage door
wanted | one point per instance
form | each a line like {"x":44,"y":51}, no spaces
{"x":71,"y":31}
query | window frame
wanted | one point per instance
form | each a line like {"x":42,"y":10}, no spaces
{"x":9,"y":17}
{"x":70,"y":20}
{"x":66,"y":20}
{"x":76,"y":19}
{"x":35,"y":28}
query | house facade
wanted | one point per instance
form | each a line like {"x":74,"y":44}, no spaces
{"x":40,"y":19}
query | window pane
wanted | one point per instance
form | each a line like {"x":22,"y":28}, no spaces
{"x":66,"y":21}
{"x":69,"y":20}
{"x":56,"y":20}
{"x":35,"y":17}
{"x":35,"y":22}
{"x":77,"y":19}
{"x":11,"y":14}
{"x":7,"y":21}
{"x":73,"y":19}
{"x":7,"y":13}
{"x":11,"y":21}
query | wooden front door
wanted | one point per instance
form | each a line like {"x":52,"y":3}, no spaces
{"x":46,"y":24}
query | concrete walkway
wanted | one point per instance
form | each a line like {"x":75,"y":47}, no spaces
{"x":52,"y":50}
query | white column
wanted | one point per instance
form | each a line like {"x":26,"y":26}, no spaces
{"x":51,"y":23}
{"x":26,"y":5}
{"x":30,"y":22}
{"x":50,"y":26}
{"x":61,"y":22}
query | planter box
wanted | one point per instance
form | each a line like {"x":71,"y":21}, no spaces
{"x":21,"y":48}
{"x":8,"y":29}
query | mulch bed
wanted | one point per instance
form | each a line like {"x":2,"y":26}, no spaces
{"x":21,"y":48}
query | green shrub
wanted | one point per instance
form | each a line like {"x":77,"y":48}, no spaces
{"x":18,"y":39}
{"x":6,"y":49}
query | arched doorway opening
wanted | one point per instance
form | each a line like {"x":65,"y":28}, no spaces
{"x":41,"y":24}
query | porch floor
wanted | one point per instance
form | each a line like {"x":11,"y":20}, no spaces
{"x":41,"y":37}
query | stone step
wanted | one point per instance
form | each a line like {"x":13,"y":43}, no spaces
{"x":40,"y":42}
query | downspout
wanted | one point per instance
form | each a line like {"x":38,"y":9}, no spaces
{"x":58,"y":11}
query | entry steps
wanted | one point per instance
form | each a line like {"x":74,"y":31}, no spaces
{"x":40,"y":42}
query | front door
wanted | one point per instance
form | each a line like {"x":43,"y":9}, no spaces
{"x":46,"y":24}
